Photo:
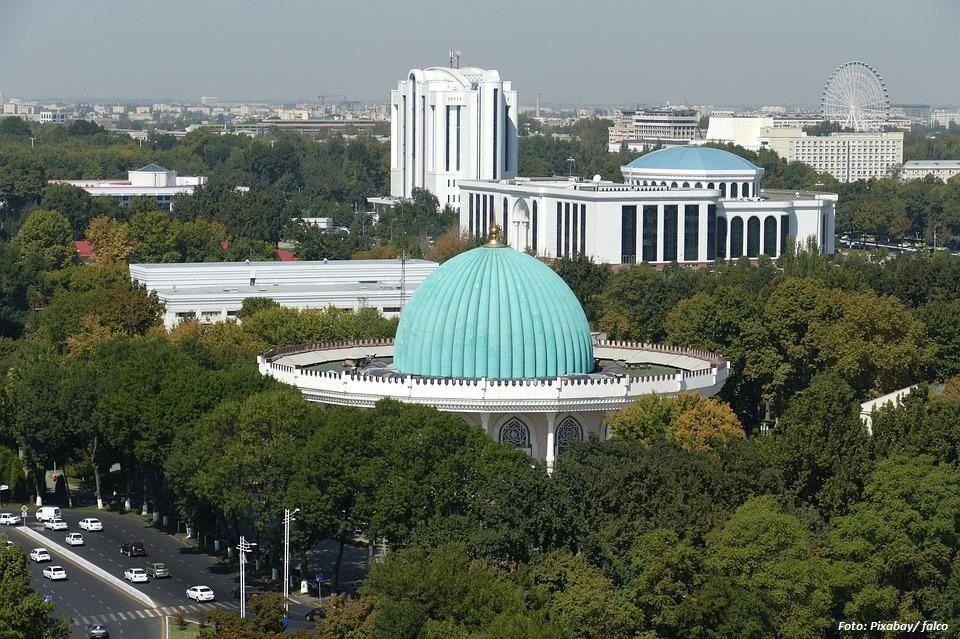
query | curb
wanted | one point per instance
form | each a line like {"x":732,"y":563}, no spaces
{"x":90,"y":567}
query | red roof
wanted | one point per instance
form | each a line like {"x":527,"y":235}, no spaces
{"x":224,"y":244}
{"x":286,"y":256}
{"x":84,"y":248}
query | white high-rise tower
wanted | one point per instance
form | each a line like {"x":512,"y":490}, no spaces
{"x":451,"y":124}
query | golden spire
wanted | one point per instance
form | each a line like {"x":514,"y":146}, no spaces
{"x":494,"y":237}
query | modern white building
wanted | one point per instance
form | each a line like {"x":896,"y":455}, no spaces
{"x":846,"y":156}
{"x":689,"y":204}
{"x":646,"y":128}
{"x":940,"y":169}
{"x":449,"y":125}
{"x":743,"y":131}
{"x":214,"y":291}
{"x":495,"y":336}
{"x":150,"y":181}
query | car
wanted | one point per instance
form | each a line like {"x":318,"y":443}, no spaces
{"x":200,"y":593}
{"x":54,"y":573}
{"x":251,"y":591}
{"x":55,"y":524}
{"x":133,"y":549}
{"x":314,"y":614}
{"x":39,"y":554}
{"x":9,"y":519}
{"x":157,"y":570}
{"x":136,"y":575}
{"x":98,"y":631}
{"x":74,"y":539}
{"x":90,"y":524}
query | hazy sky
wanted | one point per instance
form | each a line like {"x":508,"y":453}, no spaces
{"x":594,"y":51}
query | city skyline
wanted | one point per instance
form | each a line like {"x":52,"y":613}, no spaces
{"x":731,"y":54}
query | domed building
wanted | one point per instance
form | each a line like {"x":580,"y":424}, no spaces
{"x":691,"y":204}
{"x":497,"y":337}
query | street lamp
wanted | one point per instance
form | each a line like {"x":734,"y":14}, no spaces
{"x":287,"y":518}
{"x":570,"y":162}
{"x":244,"y":547}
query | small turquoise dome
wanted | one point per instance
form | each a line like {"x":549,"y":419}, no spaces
{"x":693,"y":158}
{"x":493,"y":312}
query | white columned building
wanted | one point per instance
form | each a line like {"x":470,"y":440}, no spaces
{"x":448,"y":125}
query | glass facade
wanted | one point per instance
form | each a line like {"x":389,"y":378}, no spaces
{"x":736,"y":238}
{"x":770,"y":236}
{"x":559,"y":229}
{"x":650,"y":233}
{"x":483,"y":229}
{"x":496,"y":133}
{"x":691,"y":232}
{"x":670,"y":214}
{"x":711,"y":232}
{"x":784,"y":232}
{"x":583,"y":229}
{"x":722,"y":238}
{"x":753,"y":237}
{"x":566,"y":229}
{"x":533,"y":228}
{"x":574,"y":228}
{"x":506,"y":222}
{"x":628,"y":234}
{"x":473,"y":231}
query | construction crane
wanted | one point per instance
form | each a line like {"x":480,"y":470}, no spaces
{"x":323,"y":100}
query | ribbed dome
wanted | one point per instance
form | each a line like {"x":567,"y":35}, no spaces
{"x":693,"y":158}
{"x":495,"y":313}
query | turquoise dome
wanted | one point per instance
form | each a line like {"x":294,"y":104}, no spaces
{"x":693,"y":158}
{"x":493,"y":312}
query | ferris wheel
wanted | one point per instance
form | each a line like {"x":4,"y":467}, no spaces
{"x":856,"y":96}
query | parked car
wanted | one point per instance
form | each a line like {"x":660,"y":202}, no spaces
{"x":157,"y":570}
{"x":47,"y":512}
{"x":98,"y":631}
{"x":75,"y":539}
{"x":54,"y":573}
{"x":313,"y":615}
{"x":133,"y":549}
{"x":9,"y":519}
{"x":90,"y":524}
{"x":55,"y":524}
{"x":200,"y":593}
{"x":136,"y":575}
{"x":39,"y":554}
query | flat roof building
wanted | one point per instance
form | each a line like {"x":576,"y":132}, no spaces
{"x":919,"y":169}
{"x":214,"y":291}
{"x":846,"y":156}
{"x":151,"y":180}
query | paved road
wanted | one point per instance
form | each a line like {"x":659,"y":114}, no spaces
{"x":87,"y":599}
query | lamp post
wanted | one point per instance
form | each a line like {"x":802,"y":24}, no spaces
{"x":244,"y":547}
{"x":570,"y":162}
{"x":287,"y":518}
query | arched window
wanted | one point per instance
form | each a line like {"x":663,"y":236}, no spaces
{"x":770,"y":236}
{"x":733,"y":189}
{"x":736,"y":237}
{"x":723,"y":189}
{"x":568,"y":432}
{"x":673,"y":185}
{"x":533,"y":228}
{"x":515,"y":433}
{"x":753,"y":236}
{"x":722,"y":237}
{"x":698,"y":185}
{"x":745,"y":189}
{"x":709,"y":185}
{"x":686,"y":185}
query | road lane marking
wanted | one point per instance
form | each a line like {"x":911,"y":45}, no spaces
{"x":84,"y":620}
{"x":113,"y":617}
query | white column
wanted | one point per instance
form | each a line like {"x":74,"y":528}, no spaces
{"x":660,"y":238}
{"x":763,"y":228}
{"x":551,"y":436}
{"x":485,"y":422}
{"x":726,"y":240}
{"x":746,"y":234}
{"x":681,"y":232}
{"x":702,"y":232}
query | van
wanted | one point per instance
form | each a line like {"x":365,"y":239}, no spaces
{"x":46,"y":513}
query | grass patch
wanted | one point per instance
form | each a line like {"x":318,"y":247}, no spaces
{"x":189,"y":629}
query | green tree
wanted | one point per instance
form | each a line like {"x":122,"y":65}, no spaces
{"x":110,"y":240}
{"x":46,"y":237}
{"x":73,"y":203}
{"x":156,"y":235}
{"x":22,"y":179}
{"x":15,"y":127}
{"x":23,"y":612}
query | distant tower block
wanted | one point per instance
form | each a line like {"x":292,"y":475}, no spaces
{"x":538,"y":104}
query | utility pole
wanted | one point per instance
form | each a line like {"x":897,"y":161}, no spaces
{"x":244,"y":547}
{"x":287,"y":518}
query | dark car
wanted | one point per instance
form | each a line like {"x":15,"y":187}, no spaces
{"x":251,"y":591}
{"x":313,"y":615}
{"x":133,"y":549}
{"x":99,"y":631}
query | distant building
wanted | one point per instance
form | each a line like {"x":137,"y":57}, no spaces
{"x":449,"y":125}
{"x":150,"y":180}
{"x":645,"y":128}
{"x":214,"y":291}
{"x":691,"y":204}
{"x":743,"y":131}
{"x":938,"y":117}
{"x":919,"y":112}
{"x":52,"y":117}
{"x":846,"y":156}
{"x":940,"y":169}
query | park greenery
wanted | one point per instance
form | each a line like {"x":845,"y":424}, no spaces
{"x":769,"y":511}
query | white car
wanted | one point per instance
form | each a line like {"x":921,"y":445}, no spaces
{"x":55,"y":524}
{"x":91,"y":523}
{"x":136,"y":575}
{"x":39,"y":554}
{"x":9,"y":519}
{"x":54,"y":573}
{"x":200,"y":593}
{"x":75,"y":539}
